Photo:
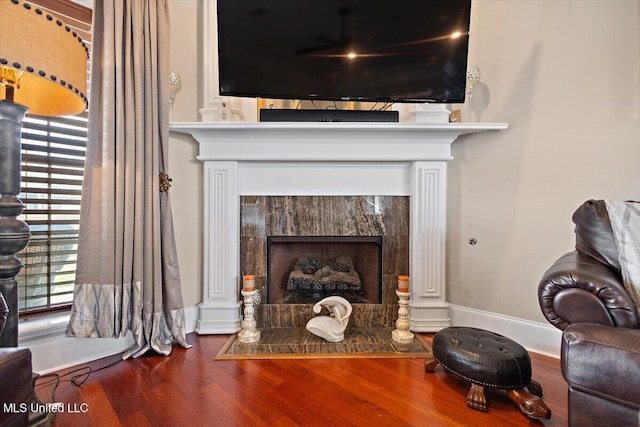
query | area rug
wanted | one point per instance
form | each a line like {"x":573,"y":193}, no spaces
{"x":298,"y":343}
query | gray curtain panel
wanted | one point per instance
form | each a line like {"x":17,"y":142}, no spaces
{"x":127,"y":274}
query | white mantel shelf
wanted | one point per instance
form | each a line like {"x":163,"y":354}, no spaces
{"x":324,"y":159}
{"x":359,"y":141}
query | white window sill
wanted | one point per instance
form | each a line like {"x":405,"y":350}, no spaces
{"x":52,"y":350}
{"x":42,"y":328}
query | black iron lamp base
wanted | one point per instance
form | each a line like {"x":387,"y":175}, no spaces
{"x":14,"y":233}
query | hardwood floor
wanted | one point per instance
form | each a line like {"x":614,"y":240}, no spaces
{"x":189,"y":388}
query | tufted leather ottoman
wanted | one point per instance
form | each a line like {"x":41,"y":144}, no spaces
{"x":487,"y":359}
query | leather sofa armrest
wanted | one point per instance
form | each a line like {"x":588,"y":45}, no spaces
{"x":579,"y":289}
{"x":16,"y":385}
{"x":604,"y":361}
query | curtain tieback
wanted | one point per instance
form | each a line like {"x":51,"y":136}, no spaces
{"x":165,"y":182}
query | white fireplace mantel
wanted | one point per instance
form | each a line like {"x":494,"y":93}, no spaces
{"x":324,"y":159}
{"x":327,"y":141}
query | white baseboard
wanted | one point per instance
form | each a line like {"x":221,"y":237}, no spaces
{"x":191,"y":318}
{"x":534,"y":336}
{"x":52,"y":350}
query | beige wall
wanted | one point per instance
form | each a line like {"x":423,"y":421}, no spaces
{"x":184,"y":168}
{"x":564,"y":74}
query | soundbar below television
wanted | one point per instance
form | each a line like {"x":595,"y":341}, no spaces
{"x":326,"y":115}
{"x":344,"y":50}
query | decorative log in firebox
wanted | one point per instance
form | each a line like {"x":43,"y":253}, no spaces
{"x":311,"y":274}
{"x":306,"y":269}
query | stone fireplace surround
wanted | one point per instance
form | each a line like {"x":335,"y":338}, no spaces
{"x":321,"y":218}
{"x":324,"y":159}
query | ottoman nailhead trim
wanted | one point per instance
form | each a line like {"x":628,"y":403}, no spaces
{"x":464,"y":377}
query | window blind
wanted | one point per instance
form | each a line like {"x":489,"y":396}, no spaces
{"x":53,"y":154}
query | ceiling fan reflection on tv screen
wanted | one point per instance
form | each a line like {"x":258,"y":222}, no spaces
{"x":337,"y":43}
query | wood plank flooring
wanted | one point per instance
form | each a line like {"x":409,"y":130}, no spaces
{"x":189,"y":388}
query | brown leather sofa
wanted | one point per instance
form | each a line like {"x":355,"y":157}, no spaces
{"x":16,"y":380}
{"x":582,"y":294}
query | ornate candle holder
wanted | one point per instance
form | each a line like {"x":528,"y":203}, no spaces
{"x":249,"y":333}
{"x":402,"y":334}
{"x":175,"y":84}
{"x":473,"y":78}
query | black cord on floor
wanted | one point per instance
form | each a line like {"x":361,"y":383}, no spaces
{"x":78,"y":377}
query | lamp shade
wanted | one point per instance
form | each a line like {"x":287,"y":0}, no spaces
{"x":47,"y":55}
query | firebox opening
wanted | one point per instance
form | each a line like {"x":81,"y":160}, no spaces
{"x":306,"y":269}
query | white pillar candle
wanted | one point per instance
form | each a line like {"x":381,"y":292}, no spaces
{"x":403,"y":283}
{"x":249,"y":283}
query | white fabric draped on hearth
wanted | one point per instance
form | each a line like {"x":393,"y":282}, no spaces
{"x":625,"y":223}
{"x":127,"y":274}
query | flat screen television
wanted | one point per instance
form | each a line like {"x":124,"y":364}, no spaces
{"x":355,"y":50}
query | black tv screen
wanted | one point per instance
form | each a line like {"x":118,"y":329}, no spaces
{"x":357,"y":50}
